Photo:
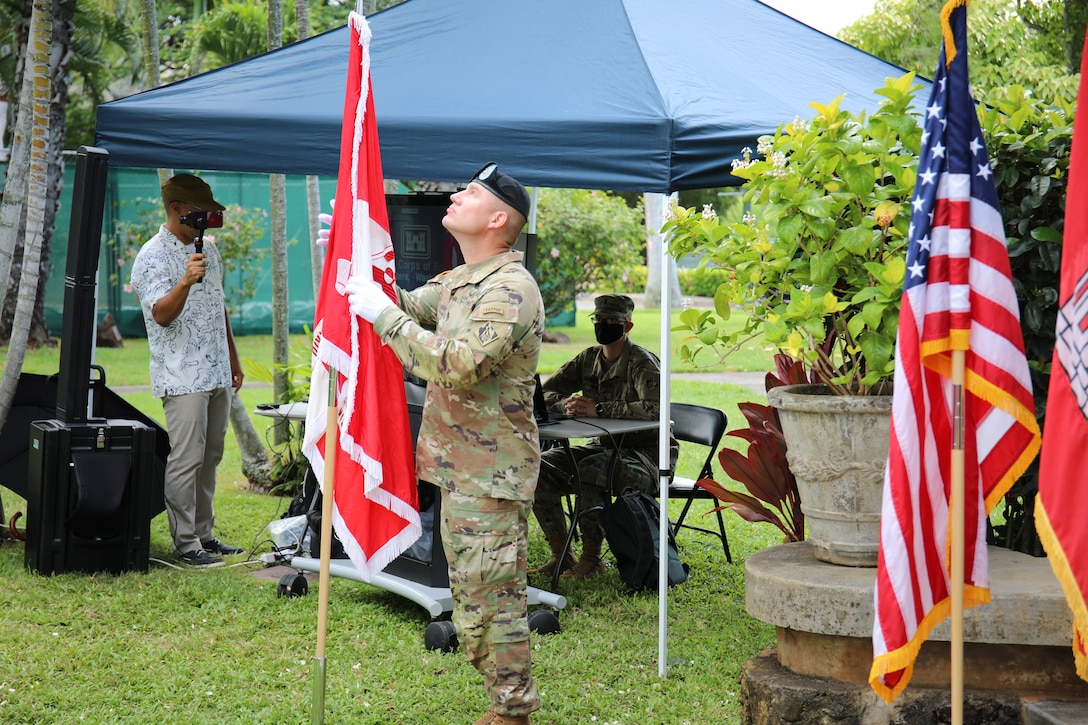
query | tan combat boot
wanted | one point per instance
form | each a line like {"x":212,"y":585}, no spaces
{"x":555,"y":543}
{"x":493,"y":718}
{"x":590,"y":563}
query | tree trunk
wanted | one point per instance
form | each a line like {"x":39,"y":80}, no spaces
{"x":317,"y":254}
{"x":256,"y":466}
{"x":655,"y":206}
{"x":281,"y":321}
{"x":36,"y":84}
{"x":149,"y":38}
{"x":313,"y":188}
{"x":281,"y":342}
{"x":59,"y":57}
{"x":13,"y":200}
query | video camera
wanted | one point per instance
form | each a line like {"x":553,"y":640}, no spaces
{"x":202,"y":219}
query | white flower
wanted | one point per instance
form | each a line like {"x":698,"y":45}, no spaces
{"x":778,"y":164}
{"x":708,"y":212}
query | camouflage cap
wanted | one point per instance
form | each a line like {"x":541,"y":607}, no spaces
{"x":618,"y":306}
{"x":192,"y":189}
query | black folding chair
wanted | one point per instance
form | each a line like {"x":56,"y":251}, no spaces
{"x":705,"y":426}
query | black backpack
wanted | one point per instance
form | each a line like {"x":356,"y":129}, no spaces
{"x":631,"y":528}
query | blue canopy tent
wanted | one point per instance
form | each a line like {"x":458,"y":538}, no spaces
{"x":635,"y":95}
{"x":638,"y":95}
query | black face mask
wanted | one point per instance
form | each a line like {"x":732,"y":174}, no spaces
{"x":607,"y":332}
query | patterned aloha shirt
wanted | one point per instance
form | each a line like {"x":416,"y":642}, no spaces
{"x":190,"y":355}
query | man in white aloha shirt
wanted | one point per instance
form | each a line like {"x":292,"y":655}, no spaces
{"x":194,"y":363}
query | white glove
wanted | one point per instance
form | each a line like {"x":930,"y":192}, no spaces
{"x":365,"y":298}
{"x":326,"y":219}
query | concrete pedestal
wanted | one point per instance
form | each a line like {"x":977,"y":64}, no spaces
{"x":1017,"y":648}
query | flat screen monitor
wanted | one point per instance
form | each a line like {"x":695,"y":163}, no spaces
{"x":422,"y":246}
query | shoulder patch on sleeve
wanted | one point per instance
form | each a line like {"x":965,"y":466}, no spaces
{"x":485,"y":333}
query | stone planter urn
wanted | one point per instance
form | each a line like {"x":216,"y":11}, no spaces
{"x":837,"y":450}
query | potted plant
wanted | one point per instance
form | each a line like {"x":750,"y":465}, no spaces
{"x":817,"y":266}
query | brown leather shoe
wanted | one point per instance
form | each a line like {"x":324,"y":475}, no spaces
{"x":587,"y":567}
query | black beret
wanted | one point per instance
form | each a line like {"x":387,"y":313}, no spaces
{"x":503,"y":186}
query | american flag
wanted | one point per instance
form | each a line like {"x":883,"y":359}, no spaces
{"x":375,"y":503}
{"x":1061,"y":506}
{"x":957,"y":295}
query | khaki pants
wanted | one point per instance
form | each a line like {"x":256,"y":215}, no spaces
{"x":197,"y":425}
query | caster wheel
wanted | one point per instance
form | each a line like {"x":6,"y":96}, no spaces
{"x":543,"y":621}
{"x":441,"y":635}
{"x":292,"y":585}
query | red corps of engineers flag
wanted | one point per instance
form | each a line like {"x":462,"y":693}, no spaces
{"x":957,"y":295}
{"x":376,"y":509}
{"x":1061,"y":511}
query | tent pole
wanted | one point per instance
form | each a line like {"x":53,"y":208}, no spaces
{"x":663,"y":451}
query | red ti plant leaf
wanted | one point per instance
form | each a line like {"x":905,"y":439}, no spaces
{"x":763,"y":469}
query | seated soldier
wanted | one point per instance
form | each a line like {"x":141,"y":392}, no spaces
{"x":616,"y":379}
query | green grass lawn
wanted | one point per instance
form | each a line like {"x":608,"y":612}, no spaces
{"x":219,"y":646}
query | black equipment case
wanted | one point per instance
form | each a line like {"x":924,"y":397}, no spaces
{"x":89,"y":496}
{"x":90,"y":480}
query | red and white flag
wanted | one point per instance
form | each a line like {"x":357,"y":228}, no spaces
{"x":375,"y":504}
{"x":1061,"y":511}
{"x":957,"y":295}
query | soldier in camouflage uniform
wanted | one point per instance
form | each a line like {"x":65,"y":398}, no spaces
{"x":474,"y":334}
{"x":617,"y":379}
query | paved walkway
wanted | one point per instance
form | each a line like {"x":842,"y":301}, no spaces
{"x":753,"y":381}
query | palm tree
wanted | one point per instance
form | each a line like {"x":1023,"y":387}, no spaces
{"x":86,"y":40}
{"x":313,"y":187}
{"x":30,"y":161}
{"x":281,"y":342}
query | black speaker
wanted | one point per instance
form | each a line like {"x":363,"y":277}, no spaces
{"x":84,"y":245}
{"x":89,"y":493}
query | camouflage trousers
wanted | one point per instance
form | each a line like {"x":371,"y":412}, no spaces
{"x":486,"y":541}
{"x":630,"y":469}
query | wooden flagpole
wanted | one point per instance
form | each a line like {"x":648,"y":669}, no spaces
{"x":956,"y":526}
{"x":317,"y":706}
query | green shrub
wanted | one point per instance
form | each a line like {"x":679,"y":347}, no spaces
{"x":586,"y":240}
{"x":817,"y":264}
{"x":701,"y":281}
{"x":1029,"y":144}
